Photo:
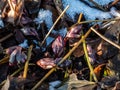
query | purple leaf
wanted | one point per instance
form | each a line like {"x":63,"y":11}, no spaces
{"x":74,"y":31}
{"x":91,"y":54}
{"x":58,"y":46}
{"x":46,"y":63}
{"x":16,"y":55}
{"x":29,"y":31}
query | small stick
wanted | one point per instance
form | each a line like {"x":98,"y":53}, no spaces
{"x":6,"y":37}
{"x":54,"y":25}
{"x":62,"y":60}
{"x":97,"y":5}
{"x":80,"y":17}
{"x":27,"y":62}
{"x":114,"y":19}
{"x":115,"y":2}
{"x":104,"y":38}
{"x":88,"y":61}
{"x":4,"y":60}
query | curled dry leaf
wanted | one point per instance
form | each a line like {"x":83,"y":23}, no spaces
{"x":74,"y":31}
{"x":58,"y":46}
{"x":19,"y":36}
{"x":91,"y":54}
{"x":98,"y":70}
{"x":24,"y":18}
{"x":29,"y":31}
{"x":16,"y":55}
{"x":46,"y":63}
{"x":78,"y":52}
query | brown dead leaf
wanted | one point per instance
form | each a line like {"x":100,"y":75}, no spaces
{"x":79,"y":51}
{"x":97,"y":70}
{"x":16,"y":9}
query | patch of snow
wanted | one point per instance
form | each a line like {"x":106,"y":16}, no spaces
{"x":1,"y":22}
{"x":114,"y":12}
{"x":63,"y":32}
{"x":44,"y":16}
{"x":55,"y":83}
{"x":24,"y":44}
{"x":77,"y":7}
{"x":49,"y":40}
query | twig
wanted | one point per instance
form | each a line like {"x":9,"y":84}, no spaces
{"x":97,"y":5}
{"x":6,"y":37}
{"x":114,"y":19}
{"x":80,"y":17}
{"x":4,"y":60}
{"x":27,"y":62}
{"x":54,"y":25}
{"x":115,"y":2}
{"x":104,"y":38}
{"x":88,"y":61}
{"x":62,"y":60}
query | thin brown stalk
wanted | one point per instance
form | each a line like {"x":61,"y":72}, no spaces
{"x":27,"y":62}
{"x":104,"y":38}
{"x":61,"y":61}
{"x":54,"y":25}
{"x":6,"y":37}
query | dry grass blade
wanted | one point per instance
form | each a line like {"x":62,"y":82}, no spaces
{"x":27,"y":62}
{"x":62,"y":60}
{"x":104,"y":38}
{"x":88,"y":61}
{"x":54,"y":25}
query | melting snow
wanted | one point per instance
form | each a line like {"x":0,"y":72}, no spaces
{"x":24,"y":44}
{"x":1,"y":22}
{"x":44,"y":16}
{"x":77,"y":7}
{"x":49,"y":40}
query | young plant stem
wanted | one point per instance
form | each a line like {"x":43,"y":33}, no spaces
{"x":104,"y":38}
{"x":61,"y":61}
{"x":88,"y":61}
{"x":27,"y":62}
{"x":54,"y":25}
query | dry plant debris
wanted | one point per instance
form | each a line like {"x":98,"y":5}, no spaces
{"x":59,"y":44}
